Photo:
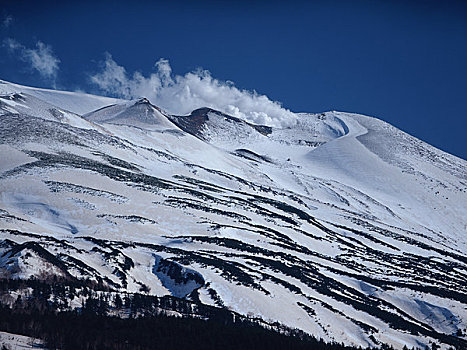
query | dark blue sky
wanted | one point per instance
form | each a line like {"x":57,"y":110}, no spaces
{"x":402,"y":61}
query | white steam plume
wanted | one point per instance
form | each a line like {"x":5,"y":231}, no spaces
{"x":182,"y":94}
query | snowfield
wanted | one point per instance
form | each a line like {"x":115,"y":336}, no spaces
{"x":342,"y":226}
{"x":16,"y":341}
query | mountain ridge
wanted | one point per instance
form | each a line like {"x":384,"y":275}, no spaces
{"x":341,"y":226}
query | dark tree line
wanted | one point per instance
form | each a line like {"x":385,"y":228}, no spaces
{"x":76,"y":331}
{"x":45,"y":313}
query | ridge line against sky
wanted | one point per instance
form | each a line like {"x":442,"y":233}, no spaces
{"x":401,"y":62}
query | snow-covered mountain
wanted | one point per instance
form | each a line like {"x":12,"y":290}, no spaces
{"x":342,"y":226}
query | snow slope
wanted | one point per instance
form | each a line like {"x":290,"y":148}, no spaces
{"x":75,"y":102}
{"x":342,"y":225}
{"x":16,"y":341}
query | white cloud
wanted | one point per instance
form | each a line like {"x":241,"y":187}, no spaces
{"x":41,"y":58}
{"x":12,"y":44}
{"x":182,"y":94}
{"x":7,"y":21}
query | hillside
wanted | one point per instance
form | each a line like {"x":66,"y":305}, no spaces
{"x":341,"y":226}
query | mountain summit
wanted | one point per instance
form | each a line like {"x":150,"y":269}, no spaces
{"x":341,"y":226}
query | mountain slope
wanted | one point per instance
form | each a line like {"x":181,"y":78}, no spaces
{"x":341,"y":226}
{"x":75,"y":102}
